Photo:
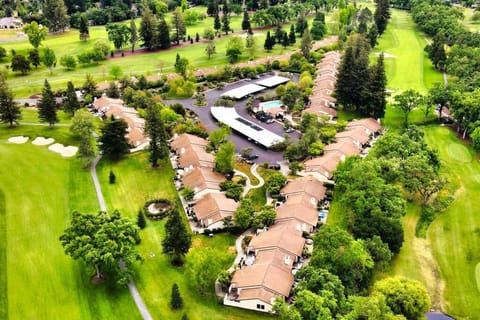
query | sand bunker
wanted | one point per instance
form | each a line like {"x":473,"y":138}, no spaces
{"x":41,"y":141}
{"x":386,"y":55}
{"x":68,"y":151}
{"x":18,"y":140}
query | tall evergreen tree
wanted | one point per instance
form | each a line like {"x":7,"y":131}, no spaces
{"x":9,"y":111}
{"x":285,"y":40}
{"x":382,"y":15}
{"x":291,"y":35}
{"x":133,"y":34}
{"x":217,"y":25}
{"x":164,"y":41}
{"x":176,"y":301}
{"x":47,"y":106}
{"x":376,"y":94}
{"x":70,"y":103}
{"x":148,"y":26}
{"x":155,"y":130}
{"x":246,"y":21}
{"x":178,"y":24}
{"x":306,"y":44}
{"x":225,"y":18}
{"x":212,"y":7}
{"x":318,"y":26}
{"x":372,"y":35}
{"x":353,"y":74}
{"x":83,"y":28}
{"x":177,"y":239}
{"x":141,"y":221}
{"x":113,"y":141}
{"x":55,"y":13}
{"x":269,"y":42}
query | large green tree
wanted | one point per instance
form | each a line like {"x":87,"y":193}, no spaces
{"x":83,"y":127}
{"x":49,"y":59}
{"x":83,"y":31}
{"x":70,"y":102}
{"x":36,"y":33}
{"x":47,"y":106}
{"x":381,"y":15}
{"x":376,"y":94}
{"x":133,"y":38}
{"x":177,"y":239}
{"x":178,"y":24}
{"x":407,"y":101}
{"x":163,"y":41}
{"x":55,"y":13}
{"x":306,"y":43}
{"x":103,"y":241}
{"x":343,"y":256}
{"x":118,"y":33}
{"x":224,"y":158}
{"x":113,"y":141}
{"x":9,"y":111}
{"x":148,"y":28}
{"x":235,"y":48}
{"x":20,"y":63}
{"x":405,"y":297}
{"x":155,"y":130}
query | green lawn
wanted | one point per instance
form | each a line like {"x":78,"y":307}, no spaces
{"x":137,"y":183}
{"x":38,"y":191}
{"x":407,"y":65}
{"x":455,"y":235}
{"x":68,"y":43}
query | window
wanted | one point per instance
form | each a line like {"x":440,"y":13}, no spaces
{"x":261,"y":306}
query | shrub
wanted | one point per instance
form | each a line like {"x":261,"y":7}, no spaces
{"x":176,"y":301}
{"x":111,"y":177}
{"x":141,"y":222}
{"x":188,"y":193}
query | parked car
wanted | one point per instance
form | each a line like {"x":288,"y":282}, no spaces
{"x":251,"y":156}
{"x":275,"y":166}
{"x":289,"y":129}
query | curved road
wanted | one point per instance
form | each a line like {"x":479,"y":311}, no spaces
{"x":142,"y":308}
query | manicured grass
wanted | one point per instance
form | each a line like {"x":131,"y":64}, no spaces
{"x":409,"y":68}
{"x":137,"y":183}
{"x":40,"y":189}
{"x":68,"y":43}
{"x":455,"y":234}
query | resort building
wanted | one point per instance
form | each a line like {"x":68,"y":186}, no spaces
{"x":116,"y":107}
{"x":195,"y":156}
{"x":202,"y":181}
{"x":213,"y":208}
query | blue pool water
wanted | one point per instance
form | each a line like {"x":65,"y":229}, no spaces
{"x":271,"y":104}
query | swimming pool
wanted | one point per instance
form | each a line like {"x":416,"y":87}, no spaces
{"x":270,"y":104}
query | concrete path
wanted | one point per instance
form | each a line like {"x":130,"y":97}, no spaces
{"x":142,"y":308}
{"x":249,"y":185}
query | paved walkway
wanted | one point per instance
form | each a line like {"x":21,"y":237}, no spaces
{"x":142,"y":308}
{"x":248,"y":185}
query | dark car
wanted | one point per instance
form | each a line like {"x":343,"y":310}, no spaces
{"x":275,"y":166}
{"x":252,"y":156}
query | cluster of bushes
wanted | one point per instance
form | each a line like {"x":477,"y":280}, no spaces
{"x":233,"y":190}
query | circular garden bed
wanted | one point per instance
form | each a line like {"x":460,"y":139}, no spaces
{"x":158,"y":208}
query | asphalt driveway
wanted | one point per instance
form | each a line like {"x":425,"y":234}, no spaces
{"x":240,"y":141}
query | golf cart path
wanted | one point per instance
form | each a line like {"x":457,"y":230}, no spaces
{"x":142,"y":308}
{"x":248,"y":185}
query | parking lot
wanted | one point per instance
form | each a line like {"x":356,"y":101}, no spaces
{"x":241,"y":142}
